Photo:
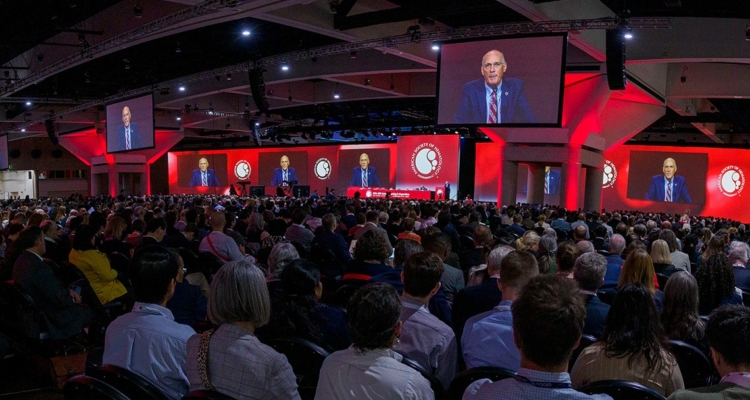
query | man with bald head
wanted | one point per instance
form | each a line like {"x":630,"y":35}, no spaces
{"x":128,"y":136}
{"x":204,"y":176}
{"x":283,"y":175}
{"x":494,"y":99}
{"x":364,"y":175}
{"x":669,"y":187}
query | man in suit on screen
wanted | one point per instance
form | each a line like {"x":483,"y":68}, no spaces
{"x":204,"y":176}
{"x":668,"y":187}
{"x":492,"y":99}
{"x":364,"y":175}
{"x":128,"y":136}
{"x":284,"y":174}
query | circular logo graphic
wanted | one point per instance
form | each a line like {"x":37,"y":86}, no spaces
{"x":242,"y":170}
{"x":426,"y":161}
{"x":322,"y":168}
{"x":368,"y":193}
{"x":731,"y":181}
{"x":610,"y":174}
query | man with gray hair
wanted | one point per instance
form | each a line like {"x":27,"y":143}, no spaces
{"x":584,"y":246}
{"x":614,"y":261}
{"x":738,"y":256}
{"x":589,"y":273}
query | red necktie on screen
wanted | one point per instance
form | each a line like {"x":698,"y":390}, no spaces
{"x":669,"y":191}
{"x":493,"y":107}
{"x":127,"y":139}
{"x":205,"y":181}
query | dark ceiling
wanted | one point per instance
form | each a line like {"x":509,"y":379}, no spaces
{"x":682,"y":8}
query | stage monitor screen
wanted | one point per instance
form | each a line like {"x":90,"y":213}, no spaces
{"x":502,"y":82}
{"x":3,"y":152}
{"x":130,"y":124}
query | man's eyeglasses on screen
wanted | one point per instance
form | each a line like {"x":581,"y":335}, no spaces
{"x":489,"y":66}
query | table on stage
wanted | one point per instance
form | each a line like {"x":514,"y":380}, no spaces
{"x":379,"y":193}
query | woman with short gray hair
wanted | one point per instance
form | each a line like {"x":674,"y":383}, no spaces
{"x":282,"y":255}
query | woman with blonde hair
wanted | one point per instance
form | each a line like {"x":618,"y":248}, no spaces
{"x":529,"y":242}
{"x":114,"y":234}
{"x":60,"y":214}
{"x":662,"y":259}
{"x":638,"y":268}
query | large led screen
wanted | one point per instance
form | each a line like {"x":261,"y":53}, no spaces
{"x":4,"y":152}
{"x":502,"y":82}
{"x":130,"y":124}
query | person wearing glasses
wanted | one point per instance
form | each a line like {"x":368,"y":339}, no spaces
{"x":492,"y":99}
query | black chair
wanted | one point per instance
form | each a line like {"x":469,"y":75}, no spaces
{"x":206,"y":395}
{"x":746,"y":297}
{"x":467,"y":242}
{"x":586,"y":341}
{"x":343,"y":294}
{"x":65,"y":271}
{"x":435,"y":384}
{"x":84,"y":387}
{"x":466,"y":378}
{"x":697,"y":370}
{"x":622,"y":390}
{"x":130,"y":384}
{"x":326,"y":261}
{"x":30,"y":322}
{"x":210,"y":260}
{"x":661,"y":279}
{"x":306,"y":359}
{"x":607,"y":295}
{"x":302,"y":250}
{"x":119,"y":262}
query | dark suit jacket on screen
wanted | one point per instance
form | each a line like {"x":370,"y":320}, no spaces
{"x":514,"y":108}
{"x":278,"y":176}
{"x":372,"y":177}
{"x":136,"y":142}
{"x":211,"y":179}
{"x":679,"y":194}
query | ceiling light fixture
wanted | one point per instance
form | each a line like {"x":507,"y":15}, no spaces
{"x":336,"y":95}
{"x":246,"y":33}
{"x":435,"y":47}
{"x":179,"y":118}
{"x":178,"y":50}
{"x":181,"y":88}
{"x":285,"y":67}
{"x":28,"y":103}
{"x":627,"y":33}
{"x":138,"y":11}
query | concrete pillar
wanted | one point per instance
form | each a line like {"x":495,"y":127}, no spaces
{"x":593,"y":196}
{"x":507,"y":186}
{"x":535,"y":184}
{"x":571,"y":178}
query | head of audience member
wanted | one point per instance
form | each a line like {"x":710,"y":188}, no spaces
{"x":281,"y":256}
{"x":156,"y":228}
{"x":632,"y":328}
{"x":301,"y":282}
{"x":728,"y":333}
{"x":660,"y":252}
{"x":495,"y":259}
{"x":371,"y":247}
{"x":483,"y":235}
{"x":529,"y":241}
{"x":670,"y":238}
{"x":616,"y":244}
{"x":715,"y":246}
{"x":715,"y":281}
{"x":154,"y":271}
{"x":589,"y":271}
{"x":372,"y":217}
{"x":551,"y":232}
{"x":438,"y":243}
{"x":329,"y":222}
{"x":408,"y":224}
{"x":680,"y":308}
{"x":516,"y":269}
{"x":579,"y":233}
{"x":218,"y":220}
{"x":239,"y":296}
{"x":584,"y":246}
{"x":621,"y":228}
{"x":421,"y":276}
{"x":277,"y":227}
{"x":115,"y":228}
{"x":546,"y":253}
{"x":36,"y":219}
{"x":85,"y":238}
{"x":404,"y":249}
{"x":638,"y":268}
{"x":31,"y":239}
{"x":738,"y":256}
{"x":50,"y":229}
{"x":13,"y":231}
{"x":373,"y":317}
{"x":139,"y":226}
{"x":640,"y":230}
{"x":298,"y":215}
{"x":360,"y":218}
{"x":547,"y":301}
{"x":567,"y":253}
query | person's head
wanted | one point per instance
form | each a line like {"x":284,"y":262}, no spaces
{"x":372,"y":216}
{"x":84,"y":238}
{"x":438,"y":243}
{"x":218,"y":220}
{"x":638,"y":268}
{"x":239,"y":294}
{"x":482,"y":235}
{"x":579,"y":233}
{"x":371,"y":246}
{"x":670,"y":238}
{"x":329,"y":222}
{"x":493,"y":67}
{"x":530,"y":240}
{"x":301,"y":278}
{"x":516,"y":269}
{"x":632,"y":327}
{"x":126,"y":116}
{"x":589,"y":271}
{"x":284,"y":162}
{"x":50,"y":229}
{"x":281,"y":256}
{"x":408,"y":224}
{"x":364,"y":160}
{"x":154,"y":271}
{"x":115,"y":227}
{"x":715,"y":280}
{"x":546,"y":302}
{"x":404,"y":249}
{"x":728,"y":333}
{"x":680,"y":310}
{"x":203,"y":164}
{"x":373,"y":316}
{"x":737,"y":255}
{"x":495,"y":258}
{"x":616,"y":244}
{"x":156,"y":228}
{"x":567,"y":253}
{"x":660,"y":252}
{"x":421,"y":275}
{"x":669,"y":168}
{"x":30,"y":238}
{"x":298,"y":215}
{"x":584,"y":246}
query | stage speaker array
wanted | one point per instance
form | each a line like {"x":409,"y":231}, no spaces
{"x":258,"y":89}
{"x":50,"y":125}
{"x":616,"y":60}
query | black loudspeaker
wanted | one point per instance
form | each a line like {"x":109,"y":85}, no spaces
{"x":50,"y":125}
{"x":616,"y":60}
{"x":258,"y":89}
{"x":258,"y":191}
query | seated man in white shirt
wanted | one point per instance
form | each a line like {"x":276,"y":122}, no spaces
{"x":147,"y":340}
{"x":218,"y":243}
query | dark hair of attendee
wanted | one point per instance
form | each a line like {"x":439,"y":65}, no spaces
{"x":714,"y":246}
{"x":13,"y":229}
{"x":83,"y":236}
{"x":277,"y":227}
{"x":437,"y":243}
{"x":372,"y":314}
{"x":728,"y":333}
{"x":371,"y":246}
{"x":36,"y":219}
{"x":567,"y":253}
{"x":715,"y":280}
{"x":668,"y":236}
{"x":152,"y":269}
{"x":517,"y":268}
{"x":298,"y":215}
{"x":154,"y":224}
{"x":26,"y":239}
{"x":632,"y":327}
{"x":291,"y":313}
{"x":422,"y":271}
{"x":97,"y":220}
{"x":139,"y":225}
{"x":404,"y":249}
{"x":548,"y":318}
{"x":679,"y":314}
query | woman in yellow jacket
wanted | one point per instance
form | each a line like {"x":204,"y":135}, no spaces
{"x":95,"y":266}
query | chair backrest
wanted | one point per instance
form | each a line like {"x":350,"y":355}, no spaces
{"x":31,"y":321}
{"x":84,"y":387}
{"x":210,"y":260}
{"x":622,"y":390}
{"x":697,"y":370}
{"x":466,"y":378}
{"x":586,"y":341}
{"x":119,"y":261}
{"x":302,"y":250}
{"x":661,"y":279}
{"x":435,"y":384}
{"x":306,"y":359}
{"x":746,"y":297}
{"x":324,"y":258}
{"x":607,"y":295}
{"x":129,"y":383}
{"x":65,"y":271}
{"x":343,"y":294}
{"x":206,"y":395}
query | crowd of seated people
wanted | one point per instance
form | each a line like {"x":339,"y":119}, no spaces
{"x":444,"y":284}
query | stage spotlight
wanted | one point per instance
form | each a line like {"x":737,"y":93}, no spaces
{"x":246,"y":33}
{"x":435,"y":47}
{"x":285,"y":67}
{"x":627,"y":33}
{"x":28,"y":103}
{"x":182,"y":88}
{"x":353,"y":54}
{"x":336,"y":95}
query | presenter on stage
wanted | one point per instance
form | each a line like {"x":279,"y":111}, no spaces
{"x":128,"y":135}
{"x":284,"y":174}
{"x":204,"y":176}
{"x":492,"y":99}
{"x":364,"y":175}
{"x":668,"y":187}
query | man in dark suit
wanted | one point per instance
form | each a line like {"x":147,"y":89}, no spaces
{"x":328,"y":238}
{"x":738,"y":257}
{"x":669,"y":187}
{"x":492,"y":99}
{"x":128,"y":136}
{"x":204,"y":176}
{"x":614,"y":261}
{"x":589,"y":273}
{"x":552,"y":181}
{"x":284,"y":174}
{"x":473,"y":257}
{"x":364,"y":175}
{"x":154,"y":234}
{"x":447,"y":190}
